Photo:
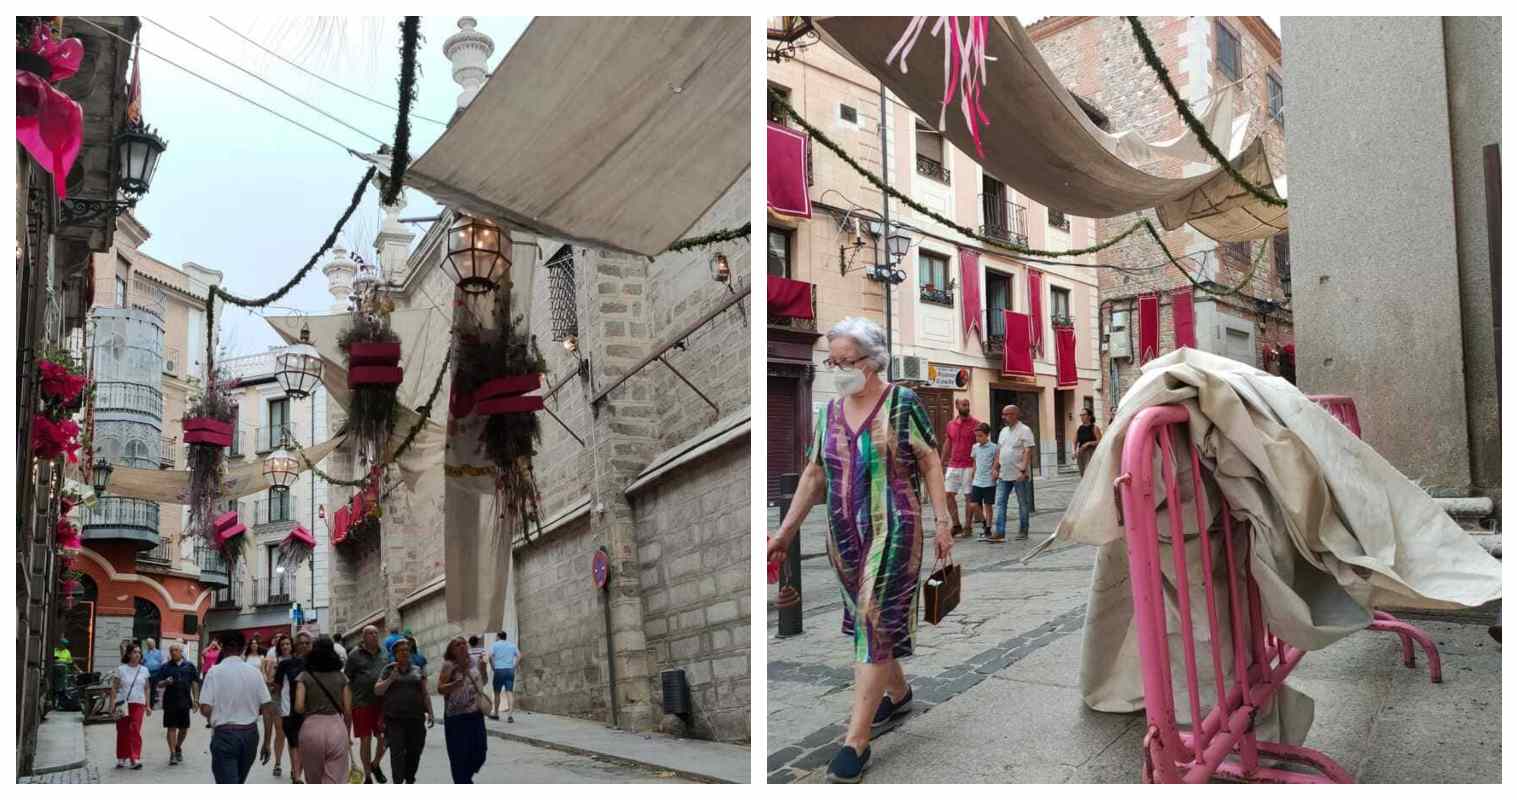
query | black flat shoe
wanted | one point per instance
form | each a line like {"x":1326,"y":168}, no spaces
{"x":848,"y":766}
{"x":889,"y":710}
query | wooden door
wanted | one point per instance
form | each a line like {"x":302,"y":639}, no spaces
{"x":784,"y":444}
{"x":939,"y":406}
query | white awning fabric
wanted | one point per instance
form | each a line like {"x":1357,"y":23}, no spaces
{"x":1042,"y":143}
{"x":616,"y":132}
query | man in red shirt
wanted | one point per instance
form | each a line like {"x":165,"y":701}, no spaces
{"x":958,"y":461}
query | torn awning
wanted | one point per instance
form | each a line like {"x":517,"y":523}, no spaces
{"x":173,"y":485}
{"x":1040,"y":141}
{"x":616,"y":132}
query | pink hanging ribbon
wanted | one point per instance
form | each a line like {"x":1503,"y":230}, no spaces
{"x":964,"y":62}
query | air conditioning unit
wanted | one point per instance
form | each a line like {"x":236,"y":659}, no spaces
{"x":910,"y":368}
{"x":169,"y":367}
{"x":1119,"y":342}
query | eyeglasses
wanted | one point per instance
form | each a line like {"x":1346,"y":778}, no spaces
{"x":832,"y":363}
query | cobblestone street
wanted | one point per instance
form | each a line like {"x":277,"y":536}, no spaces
{"x":997,"y":684}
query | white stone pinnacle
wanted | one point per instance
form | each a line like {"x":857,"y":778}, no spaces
{"x":468,"y":50}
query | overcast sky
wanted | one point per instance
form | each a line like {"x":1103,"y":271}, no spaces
{"x":244,"y":192}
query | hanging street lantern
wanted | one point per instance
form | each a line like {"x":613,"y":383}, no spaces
{"x":137,"y":151}
{"x":281,"y":469}
{"x":896,"y":245}
{"x":478,"y":254}
{"x":721,"y":271}
{"x":299,"y":369}
{"x":100,"y":476}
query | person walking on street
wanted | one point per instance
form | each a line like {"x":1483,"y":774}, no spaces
{"x":285,"y":676}
{"x":233,"y":698}
{"x":153,"y":659}
{"x":958,"y":475}
{"x":407,"y":711}
{"x":280,"y":650}
{"x":325,"y":700}
{"x":129,"y":688}
{"x":416,"y":656}
{"x":982,"y":494}
{"x":463,"y":724}
{"x":504,"y":656}
{"x":390,"y":640}
{"x":364,"y":665}
{"x":178,"y":678}
{"x":868,"y":449}
{"x":209,"y":659}
{"x":1013,"y":472}
{"x":1086,"y":439}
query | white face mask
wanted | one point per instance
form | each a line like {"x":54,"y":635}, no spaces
{"x":850,"y":380}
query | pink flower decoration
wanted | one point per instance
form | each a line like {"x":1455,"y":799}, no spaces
{"x":52,"y":439}
{"x":49,"y":124}
{"x":60,"y":384}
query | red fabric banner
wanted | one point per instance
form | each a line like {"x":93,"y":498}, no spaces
{"x":969,"y":279}
{"x":789,"y":298}
{"x":1183,"y":306}
{"x":1035,"y":308}
{"x":340,"y":522}
{"x":1017,"y":359}
{"x":1064,"y":352}
{"x":1148,"y":328}
{"x":787,"y":172}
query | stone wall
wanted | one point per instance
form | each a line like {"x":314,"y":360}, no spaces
{"x":109,"y":631}
{"x":428,"y":620}
{"x":562,"y":625}
{"x":693,"y":538}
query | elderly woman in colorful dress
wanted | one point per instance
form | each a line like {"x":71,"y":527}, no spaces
{"x":870,"y":447}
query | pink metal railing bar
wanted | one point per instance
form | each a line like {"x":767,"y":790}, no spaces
{"x":1343,"y":409}
{"x":1220,"y":741}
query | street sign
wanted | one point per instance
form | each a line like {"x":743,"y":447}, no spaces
{"x":600,"y":568}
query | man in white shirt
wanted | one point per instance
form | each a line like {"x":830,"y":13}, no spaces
{"x":1013,"y":472}
{"x":233,"y":697}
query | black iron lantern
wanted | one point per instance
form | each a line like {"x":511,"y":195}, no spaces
{"x":479,"y":254}
{"x":137,"y":151}
{"x":100,"y":476}
{"x":299,"y":370}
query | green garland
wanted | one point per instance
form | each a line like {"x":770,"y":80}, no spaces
{"x":425,"y":412}
{"x":259,"y":302}
{"x":410,"y":35}
{"x":1194,"y":124}
{"x":723,"y":235}
{"x":1144,"y":223}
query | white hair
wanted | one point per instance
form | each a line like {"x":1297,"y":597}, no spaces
{"x":868,"y":335}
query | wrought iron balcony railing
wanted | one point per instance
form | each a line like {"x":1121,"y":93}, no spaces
{"x":797,"y":323}
{"x":933,"y":169}
{"x":932,"y":294}
{"x":1004,"y":220}
{"x":210,"y":562}
{"x":273,"y":591}
{"x":169,"y":452}
{"x":122,"y":512}
{"x":136,"y":397}
{"x":161,"y":555}
{"x":269,"y":438}
{"x":226,"y":596}
{"x":1062,"y":321}
{"x":272,"y":512}
{"x":1058,"y":219}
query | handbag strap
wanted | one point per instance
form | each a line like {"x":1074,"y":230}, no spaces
{"x":135,"y":675}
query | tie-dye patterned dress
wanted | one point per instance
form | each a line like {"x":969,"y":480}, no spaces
{"x":875,"y":518}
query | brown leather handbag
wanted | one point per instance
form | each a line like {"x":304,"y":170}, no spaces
{"x":940,"y":594}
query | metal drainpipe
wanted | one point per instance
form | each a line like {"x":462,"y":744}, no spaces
{"x":610,"y":649}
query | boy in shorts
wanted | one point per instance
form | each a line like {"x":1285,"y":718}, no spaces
{"x":982,"y":492}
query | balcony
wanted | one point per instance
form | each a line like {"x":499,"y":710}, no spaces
{"x":1005,"y":221}
{"x":785,"y":302}
{"x":169,"y":453}
{"x":269,"y":438}
{"x":134,"y":397}
{"x":933,"y":169}
{"x":160,"y":556}
{"x":1058,"y":219}
{"x":122,"y":518}
{"x":213,"y":568}
{"x":274,"y":512}
{"x":273,"y":591}
{"x":237,"y":450}
{"x":936,"y":296}
{"x":226,"y":597}
{"x":995,"y":331}
{"x":1062,"y":320}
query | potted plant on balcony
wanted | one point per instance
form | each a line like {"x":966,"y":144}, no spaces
{"x":208,"y":432}
{"x":374,"y":376}
{"x":62,"y":390}
{"x":495,"y":369}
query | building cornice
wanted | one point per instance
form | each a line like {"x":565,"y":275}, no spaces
{"x":1048,"y":26}
{"x":1263,"y":34}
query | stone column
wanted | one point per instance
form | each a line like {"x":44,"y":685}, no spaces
{"x":614,"y":335}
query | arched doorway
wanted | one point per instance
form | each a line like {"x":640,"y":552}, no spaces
{"x":146,"y":622}
{"x":79,"y":624}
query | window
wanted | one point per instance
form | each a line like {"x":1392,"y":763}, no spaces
{"x":1282,"y":242}
{"x":120,"y":292}
{"x":1276,"y":98}
{"x":562,"y":300}
{"x":776,"y":114}
{"x":931,"y":159}
{"x":998,"y":296}
{"x":848,"y":113}
{"x":279,"y":505}
{"x":1060,"y":306}
{"x":1228,"y":57}
{"x":1236,"y":253}
{"x":1057,"y":219}
{"x":1003,"y":219}
{"x":779,"y":252}
{"x":933,"y":278}
{"x":279,"y":420}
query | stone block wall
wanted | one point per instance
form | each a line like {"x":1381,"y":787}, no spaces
{"x":428,"y":621}
{"x":562,"y":625}
{"x":694,"y":542}
{"x":357,"y":587}
{"x":109,"y":631}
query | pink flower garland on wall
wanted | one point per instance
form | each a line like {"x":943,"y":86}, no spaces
{"x":49,"y":123}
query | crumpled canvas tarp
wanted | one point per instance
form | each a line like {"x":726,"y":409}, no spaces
{"x":1041,"y":142}
{"x":172,"y":485}
{"x":1336,"y":529}
{"x":615,"y":132}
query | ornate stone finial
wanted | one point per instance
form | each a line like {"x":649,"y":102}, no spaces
{"x":393,"y":242}
{"x":340,"y":271}
{"x":468,"y":50}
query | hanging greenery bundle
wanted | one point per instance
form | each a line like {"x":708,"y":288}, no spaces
{"x":496,"y":367}
{"x":208,"y":432}
{"x":374,"y":375}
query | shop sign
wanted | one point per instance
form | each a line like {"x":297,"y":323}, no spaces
{"x":946,"y":376}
